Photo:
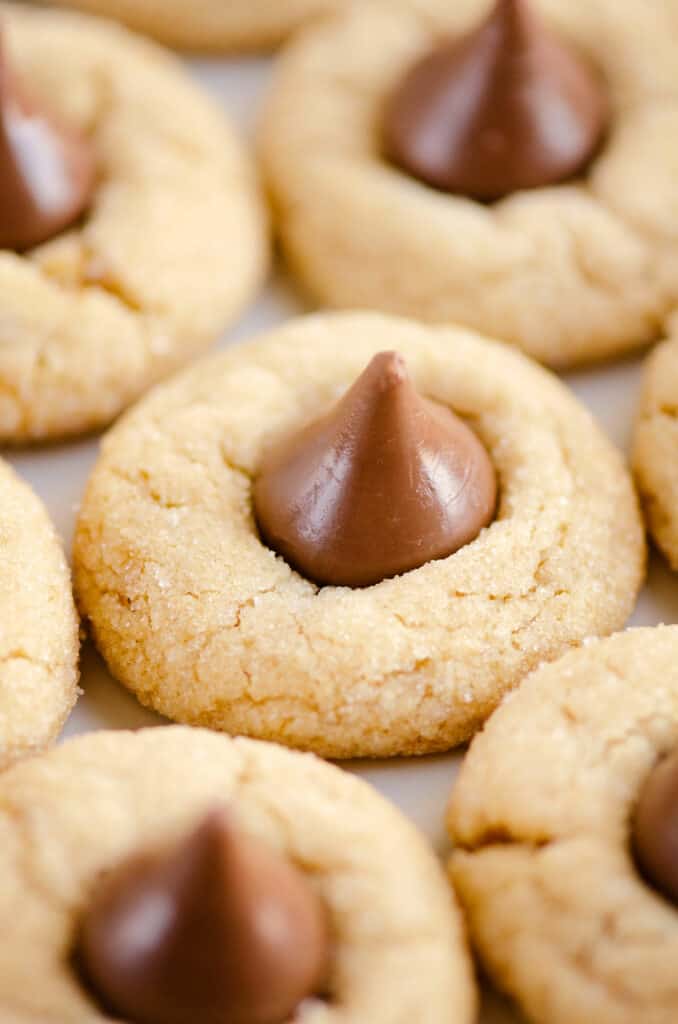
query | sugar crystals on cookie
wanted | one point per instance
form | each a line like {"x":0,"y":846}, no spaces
{"x":218,"y":617}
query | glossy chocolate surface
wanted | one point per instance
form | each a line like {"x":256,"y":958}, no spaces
{"x":46,"y":168}
{"x":384,"y":483}
{"x":508,"y":107}
{"x":655,"y":828}
{"x":219,"y":930}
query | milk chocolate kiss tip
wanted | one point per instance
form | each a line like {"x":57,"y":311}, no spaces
{"x":384,"y":483}
{"x":507,"y":107}
{"x":46,"y":168}
{"x":220,"y":930}
{"x":655,"y":828}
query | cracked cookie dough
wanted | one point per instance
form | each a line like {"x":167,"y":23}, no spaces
{"x":65,"y":818}
{"x":172,"y":248}
{"x":542,"y":817}
{"x":572,"y":273}
{"x":212,"y":25}
{"x":206,"y":625}
{"x":38,"y":625}
{"x":656,"y":444}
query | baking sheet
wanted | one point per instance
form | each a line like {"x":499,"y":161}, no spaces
{"x":420,"y":787}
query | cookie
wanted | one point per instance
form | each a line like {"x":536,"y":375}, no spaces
{"x":38,"y":625}
{"x":71,"y":818}
{"x":201,"y":620}
{"x":212,"y":25}
{"x":654,"y":446}
{"x":148,"y":279}
{"x":543,"y":815}
{"x":570,"y":273}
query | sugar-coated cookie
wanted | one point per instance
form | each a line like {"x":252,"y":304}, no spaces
{"x":148,"y":277}
{"x":38,"y":625}
{"x":570,"y":273}
{"x":197,"y":616}
{"x":70,"y":819}
{"x":554,"y":801}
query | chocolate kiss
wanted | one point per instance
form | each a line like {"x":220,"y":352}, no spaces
{"x":46,"y":169}
{"x":506,"y":108}
{"x":384,"y":483}
{"x":655,"y":828}
{"x":219,"y":931}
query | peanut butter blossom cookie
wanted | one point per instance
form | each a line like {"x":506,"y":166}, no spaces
{"x":174,"y":876}
{"x":212,"y":25}
{"x":123,"y":198}
{"x":353,"y":536}
{"x":565,"y":818}
{"x":505,"y":165}
{"x":38,"y":625}
{"x":656,"y":444}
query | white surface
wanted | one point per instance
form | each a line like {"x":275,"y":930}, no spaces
{"x":421,"y":787}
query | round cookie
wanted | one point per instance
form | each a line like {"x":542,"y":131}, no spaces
{"x":74,"y":814}
{"x":541,"y":815}
{"x":38,"y":625}
{"x":655,"y":441}
{"x":149,"y":279}
{"x":570,"y":274}
{"x":212,"y":25}
{"x":205,"y":624}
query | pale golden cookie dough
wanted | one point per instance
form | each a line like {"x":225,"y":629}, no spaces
{"x":206,"y":625}
{"x":569,"y":274}
{"x":212,"y":25}
{"x":38,"y":625}
{"x":173,"y":247}
{"x":655,"y":449}
{"x":399,"y":952}
{"x":541,"y":814}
